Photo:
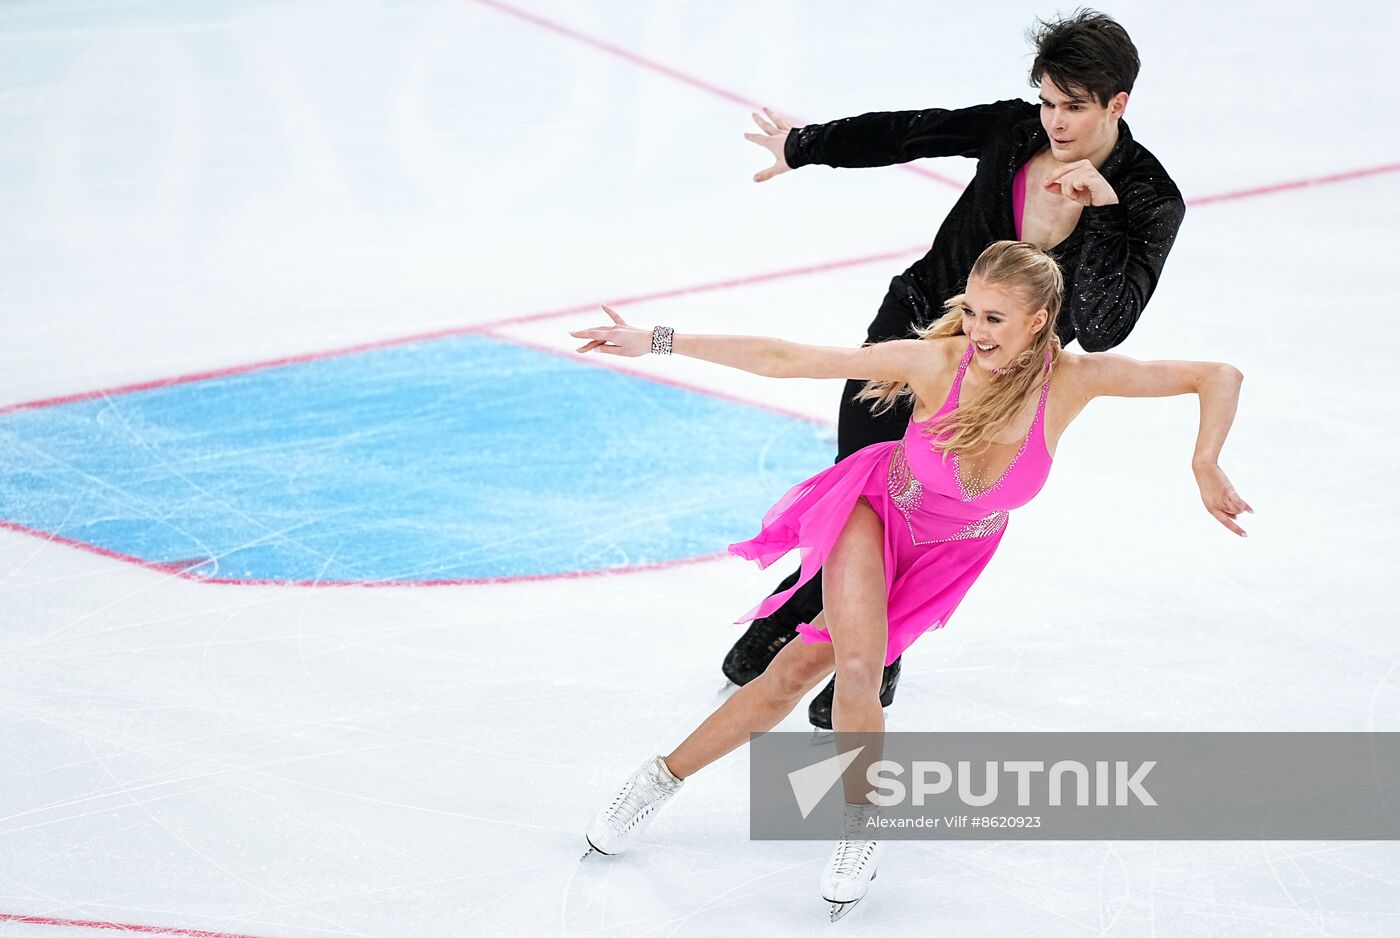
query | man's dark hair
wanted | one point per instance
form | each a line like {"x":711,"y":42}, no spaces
{"x":1089,"y":51}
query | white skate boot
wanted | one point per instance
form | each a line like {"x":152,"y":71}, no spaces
{"x":854,"y":862}
{"x":617,"y":826}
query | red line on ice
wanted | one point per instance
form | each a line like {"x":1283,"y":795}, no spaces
{"x":478,"y":328}
{"x":116,"y":926}
{"x":602,"y":362}
{"x":95,"y":549}
{"x":1346,"y":176}
{"x":181,"y":569}
{"x":726,"y":94}
{"x":673,"y":73}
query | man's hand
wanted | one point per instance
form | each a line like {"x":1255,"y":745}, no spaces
{"x":1080,"y":182}
{"x":773,"y":139}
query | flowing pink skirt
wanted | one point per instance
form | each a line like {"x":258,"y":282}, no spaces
{"x":933,"y":552}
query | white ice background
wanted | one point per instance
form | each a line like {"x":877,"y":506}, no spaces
{"x":192,"y":186}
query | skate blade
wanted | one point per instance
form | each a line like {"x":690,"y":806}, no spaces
{"x":726,"y":691}
{"x":591,"y":850}
{"x":839,"y":909}
{"x":821,"y":737}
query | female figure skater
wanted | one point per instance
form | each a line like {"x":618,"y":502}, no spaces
{"x":904,"y":528}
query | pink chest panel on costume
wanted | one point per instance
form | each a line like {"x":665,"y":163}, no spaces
{"x":1018,"y":198}
{"x":928,"y":488}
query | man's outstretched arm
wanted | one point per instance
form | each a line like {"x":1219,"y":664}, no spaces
{"x":880,"y":138}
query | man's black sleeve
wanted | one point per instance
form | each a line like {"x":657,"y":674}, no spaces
{"x":1125,"y":248}
{"x":882,"y":138}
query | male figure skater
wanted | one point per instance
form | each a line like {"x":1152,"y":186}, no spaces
{"x":1066,"y":175}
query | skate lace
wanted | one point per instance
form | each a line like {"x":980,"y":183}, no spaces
{"x":852,"y":855}
{"x":777,"y":632}
{"x":631,"y":805}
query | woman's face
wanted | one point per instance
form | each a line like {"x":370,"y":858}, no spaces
{"x":1000,"y":323}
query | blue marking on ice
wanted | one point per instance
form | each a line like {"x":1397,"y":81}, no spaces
{"x":458,"y":458}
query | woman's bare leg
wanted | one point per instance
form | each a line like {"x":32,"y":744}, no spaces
{"x":856,"y":606}
{"x":756,"y":707}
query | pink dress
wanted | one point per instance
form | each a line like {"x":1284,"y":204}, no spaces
{"x":940,"y":531}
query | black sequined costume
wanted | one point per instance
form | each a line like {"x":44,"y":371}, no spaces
{"x":1111,"y":260}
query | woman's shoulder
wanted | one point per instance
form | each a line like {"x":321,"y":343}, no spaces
{"x":1078,"y":363}
{"x":934,"y":382}
{"x":929,"y":354}
{"x":945,"y":354}
{"x":1069,"y":361}
{"x":1074,"y":371}
{"x":949,"y":348}
{"x":1085,"y":365}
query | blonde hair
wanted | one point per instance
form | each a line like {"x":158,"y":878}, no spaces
{"x":968,"y":428}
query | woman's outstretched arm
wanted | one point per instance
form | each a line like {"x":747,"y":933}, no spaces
{"x":773,"y":358}
{"x":1218,"y":386}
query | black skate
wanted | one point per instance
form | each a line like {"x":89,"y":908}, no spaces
{"x":819,"y":710}
{"x":762,"y":641}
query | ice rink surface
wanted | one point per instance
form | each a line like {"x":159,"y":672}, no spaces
{"x":191,"y":189}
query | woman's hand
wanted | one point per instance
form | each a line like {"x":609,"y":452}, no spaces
{"x":1220,"y":497}
{"x":618,"y":339}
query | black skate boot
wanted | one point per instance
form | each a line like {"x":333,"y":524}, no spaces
{"x":819,"y":710}
{"x":757,"y":647}
{"x":765,"y":637}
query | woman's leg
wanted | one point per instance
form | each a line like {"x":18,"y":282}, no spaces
{"x":756,"y":707}
{"x":857,"y":616}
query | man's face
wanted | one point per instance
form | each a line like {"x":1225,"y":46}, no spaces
{"x":1078,"y":125}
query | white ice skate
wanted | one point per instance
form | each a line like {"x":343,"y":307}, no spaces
{"x":854,"y":862}
{"x":632,"y":809}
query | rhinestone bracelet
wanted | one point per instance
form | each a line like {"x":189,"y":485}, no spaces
{"x":661,"y":340}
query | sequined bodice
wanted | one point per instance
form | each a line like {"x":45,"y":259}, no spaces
{"x":962,"y":504}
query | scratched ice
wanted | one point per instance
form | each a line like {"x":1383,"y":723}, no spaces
{"x":195,"y":187}
{"x":401,"y":465}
